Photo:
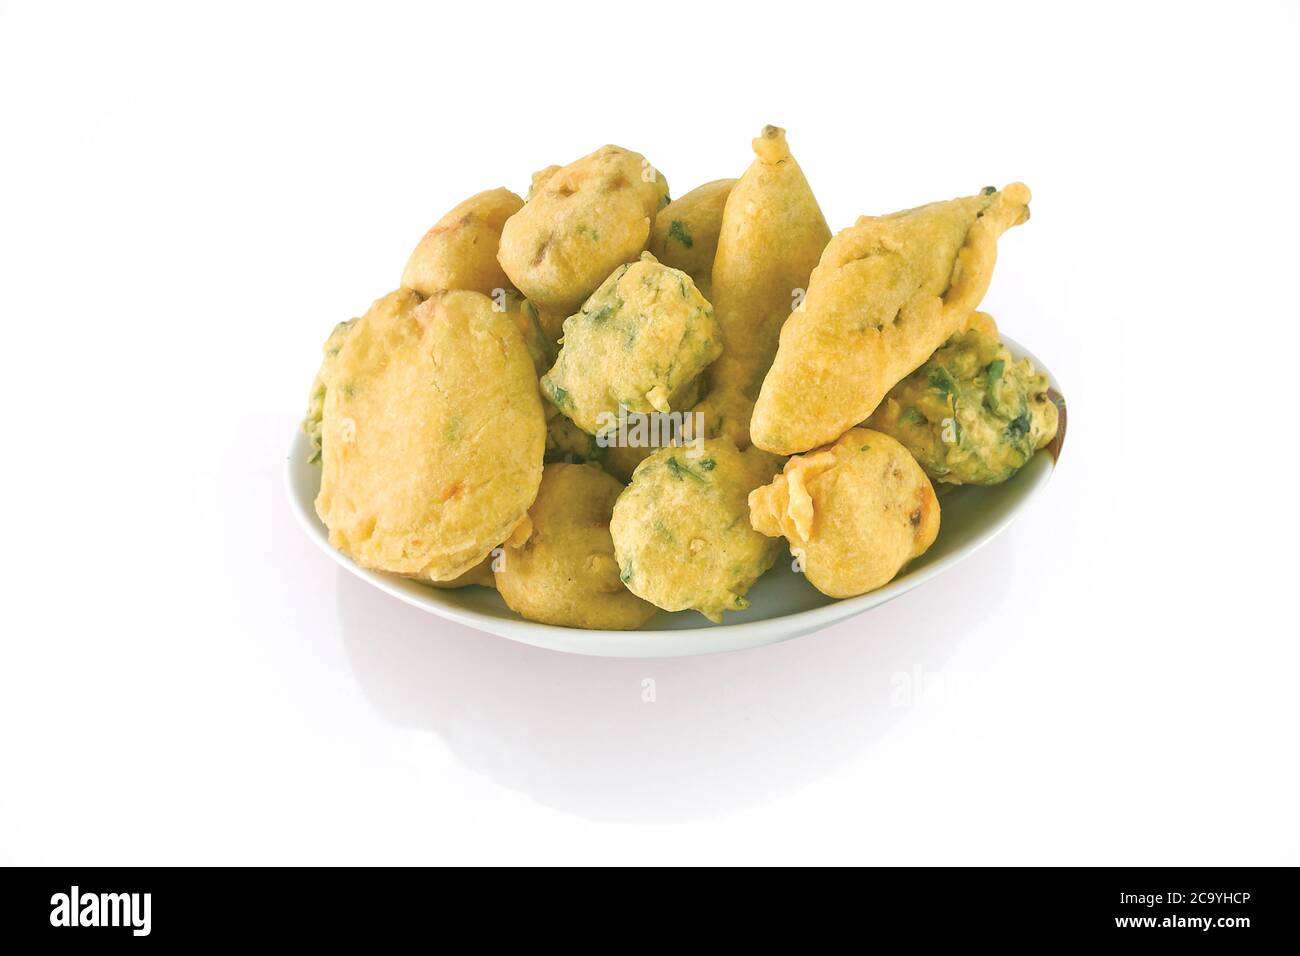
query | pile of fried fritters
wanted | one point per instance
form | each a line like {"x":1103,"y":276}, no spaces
{"x":473,"y":426}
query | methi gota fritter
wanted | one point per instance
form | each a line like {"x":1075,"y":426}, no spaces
{"x":605,"y":403}
{"x":681,"y":532}
{"x":638,"y":343}
{"x":681,"y":529}
{"x":971,"y":415}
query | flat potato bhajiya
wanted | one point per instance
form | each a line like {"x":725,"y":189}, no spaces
{"x":771,"y":236}
{"x":971,"y":415}
{"x":854,"y":513}
{"x":639,"y":342}
{"x":887,"y":293}
{"x":681,"y":528}
{"x":563,"y":570}
{"x":582,"y":221}
{"x":460,"y":251}
{"x":433,"y":435}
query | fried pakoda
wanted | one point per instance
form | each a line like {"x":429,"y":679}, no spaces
{"x":433,"y":435}
{"x":480,"y":574}
{"x":621,"y":461}
{"x":460,"y":251}
{"x":620,"y":458}
{"x":854,"y":512}
{"x":681,"y":528}
{"x":563,"y":570}
{"x":528,"y":320}
{"x":565,"y":441}
{"x":526,"y":316}
{"x":539,"y":180}
{"x":552,"y":324}
{"x":551,"y":320}
{"x":316,"y":396}
{"x":582,"y":221}
{"x":639,"y":342}
{"x":983,"y":322}
{"x":771,"y":236}
{"x":887,"y":293}
{"x":685,"y":233}
{"x":971,"y":415}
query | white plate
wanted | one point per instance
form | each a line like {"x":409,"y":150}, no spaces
{"x":784,"y":604}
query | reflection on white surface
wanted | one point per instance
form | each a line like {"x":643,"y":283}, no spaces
{"x":723,"y":732}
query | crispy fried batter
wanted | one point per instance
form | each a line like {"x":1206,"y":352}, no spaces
{"x":681,"y":529}
{"x":433,"y":435}
{"x":639,"y":342}
{"x":685,"y":233}
{"x":772,"y":234}
{"x":579,"y":223}
{"x":854,"y":512}
{"x":564,"y":572}
{"x":887,"y":293}
{"x":971,"y":415}
{"x":460,"y":251}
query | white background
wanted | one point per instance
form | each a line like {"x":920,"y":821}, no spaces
{"x":191,"y":198}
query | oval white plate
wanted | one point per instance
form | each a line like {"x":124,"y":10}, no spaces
{"x":784,"y":604}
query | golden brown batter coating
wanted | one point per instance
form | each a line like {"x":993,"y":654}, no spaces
{"x":433,"y":435}
{"x":685,"y":233}
{"x":563,"y":570}
{"x":971,"y":415}
{"x":887,"y":293}
{"x":581,"y":222}
{"x":460,"y":251}
{"x":681,"y":529}
{"x":854,"y":512}
{"x":771,"y":236}
{"x":640,"y":342}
